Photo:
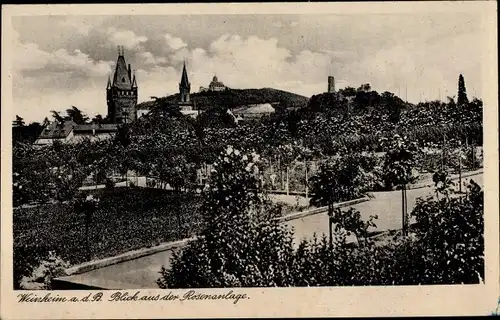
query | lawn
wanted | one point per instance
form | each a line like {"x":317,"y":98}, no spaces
{"x":128,"y":219}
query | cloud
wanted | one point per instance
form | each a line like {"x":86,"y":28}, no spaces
{"x":159,"y":82}
{"x":174,"y":43}
{"x":149,"y":59}
{"x":252,"y":62}
{"x":29,"y":57}
{"x":126,"y":38}
{"x":80,"y":27}
{"x":428,"y":71}
{"x":44,"y":81}
{"x":70,"y":65}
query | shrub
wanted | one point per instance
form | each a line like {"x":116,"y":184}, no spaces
{"x":343,"y":178}
{"x":350,"y":221}
{"x":25,"y":259}
{"x":450,"y":238}
{"x":109,"y":184}
{"x":40,"y":277}
{"x":239,"y":246}
{"x":473,"y":159}
{"x":445,"y":247}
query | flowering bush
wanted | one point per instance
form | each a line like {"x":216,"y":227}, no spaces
{"x":239,"y":245}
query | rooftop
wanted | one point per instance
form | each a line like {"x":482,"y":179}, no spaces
{"x":60,"y":131}
{"x":254,"y":109}
{"x":96,"y":127}
{"x":57,"y":130}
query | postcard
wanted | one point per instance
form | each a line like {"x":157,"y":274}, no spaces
{"x":249,"y":160}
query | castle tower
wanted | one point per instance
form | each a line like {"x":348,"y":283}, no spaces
{"x":184,"y":86}
{"x":331,"y":84}
{"x":122,"y":92}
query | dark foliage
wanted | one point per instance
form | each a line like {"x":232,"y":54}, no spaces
{"x":232,"y":98}
{"x":445,"y":247}
{"x":126,"y":219}
{"x":462,"y":93}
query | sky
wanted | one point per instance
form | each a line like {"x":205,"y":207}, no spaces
{"x":62,"y":61}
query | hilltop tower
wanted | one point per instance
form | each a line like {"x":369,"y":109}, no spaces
{"x":122,"y":92}
{"x":184,"y":86}
{"x":331,"y":84}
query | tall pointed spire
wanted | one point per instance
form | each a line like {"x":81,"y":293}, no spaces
{"x":184,"y":78}
{"x":108,"y":86}
{"x":184,"y":85}
{"x":121,"y":78}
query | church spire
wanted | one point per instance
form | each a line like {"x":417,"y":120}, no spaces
{"x":184,"y":79}
{"x":108,"y":86}
{"x":184,"y":85}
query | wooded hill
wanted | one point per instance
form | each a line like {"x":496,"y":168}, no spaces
{"x":232,"y":98}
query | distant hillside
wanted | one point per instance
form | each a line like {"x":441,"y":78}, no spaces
{"x":232,"y":98}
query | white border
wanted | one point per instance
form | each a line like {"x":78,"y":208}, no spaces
{"x":271,"y":302}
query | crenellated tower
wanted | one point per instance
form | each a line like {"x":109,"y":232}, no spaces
{"x":121,"y":93}
{"x":331,"y":84}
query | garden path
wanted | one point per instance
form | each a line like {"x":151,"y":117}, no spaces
{"x":387,"y":205}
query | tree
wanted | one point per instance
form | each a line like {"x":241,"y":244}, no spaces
{"x":350,"y":221}
{"x":180,"y":175}
{"x":49,"y":266}
{"x":19,"y":122}
{"x":76,"y":115}
{"x":98,"y":119}
{"x":307,"y":155}
{"x":18,"y":129}
{"x":348,"y":92}
{"x":216,"y":117}
{"x":288,"y":153}
{"x":364,"y":87}
{"x":57,"y":116}
{"x":123,"y":140}
{"x":86,"y":206}
{"x":399,"y":162}
{"x":462,"y":94}
{"x":340,"y":178}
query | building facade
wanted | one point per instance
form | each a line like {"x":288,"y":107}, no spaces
{"x":122,"y":93}
{"x":252,"y":112}
{"x":70,"y":132}
{"x":215,"y":85}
